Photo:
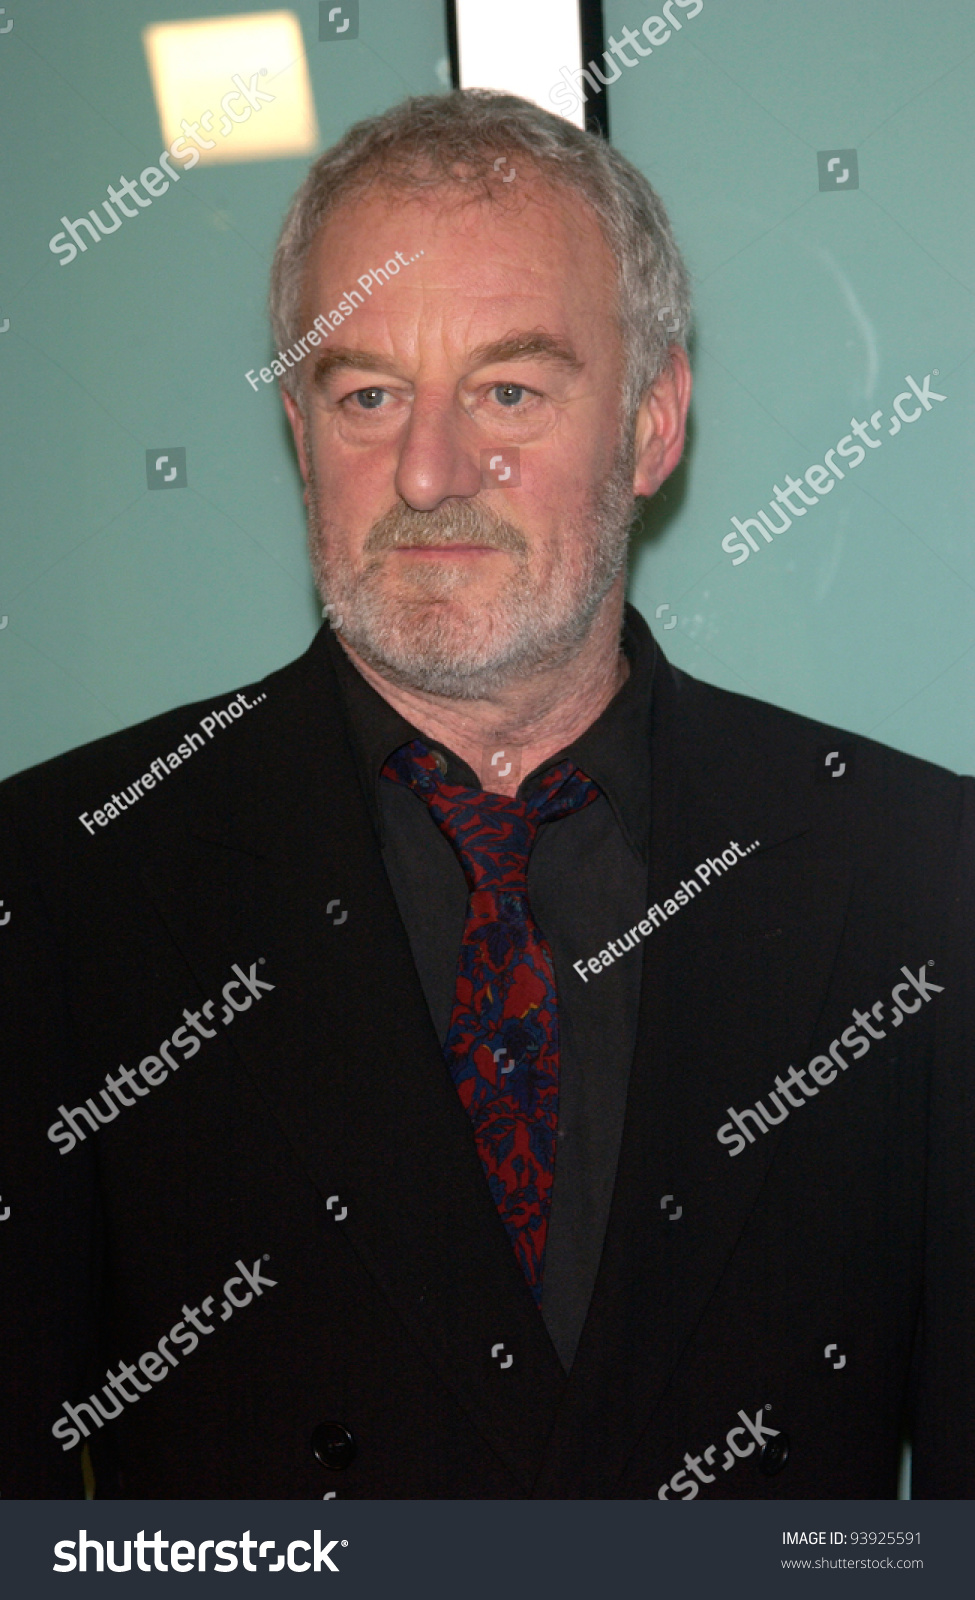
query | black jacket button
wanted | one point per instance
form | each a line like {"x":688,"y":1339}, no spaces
{"x":333,"y":1445}
{"x":774,"y":1455}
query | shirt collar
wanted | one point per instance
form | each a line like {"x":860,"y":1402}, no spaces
{"x":614,"y":750}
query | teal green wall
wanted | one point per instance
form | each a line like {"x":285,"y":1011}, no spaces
{"x":122,"y":602}
{"x":811,"y":308}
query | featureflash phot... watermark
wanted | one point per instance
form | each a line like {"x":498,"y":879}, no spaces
{"x":657,"y":915}
{"x":162,"y":765}
{"x":326,"y":320}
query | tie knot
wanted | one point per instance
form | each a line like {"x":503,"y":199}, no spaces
{"x":492,"y":834}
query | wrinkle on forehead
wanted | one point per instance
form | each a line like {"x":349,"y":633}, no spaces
{"x":565,"y":226}
{"x":542,"y":251}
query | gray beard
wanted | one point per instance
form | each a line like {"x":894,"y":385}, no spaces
{"x":413,"y":640}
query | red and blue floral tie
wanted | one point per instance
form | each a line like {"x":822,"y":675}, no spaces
{"x":502,"y":1046}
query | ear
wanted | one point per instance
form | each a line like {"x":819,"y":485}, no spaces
{"x":296,"y":418}
{"x":660,"y":424}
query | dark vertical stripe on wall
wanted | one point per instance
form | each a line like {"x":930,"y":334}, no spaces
{"x":593,"y":45}
{"x":451,"y":19}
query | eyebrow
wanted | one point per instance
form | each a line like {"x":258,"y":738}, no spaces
{"x":537,"y":346}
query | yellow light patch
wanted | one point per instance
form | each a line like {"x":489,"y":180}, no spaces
{"x":192,"y":66}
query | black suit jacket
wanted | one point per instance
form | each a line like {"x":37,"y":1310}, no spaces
{"x":316,"y":1137}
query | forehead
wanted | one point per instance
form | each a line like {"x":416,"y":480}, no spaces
{"x":535,"y":250}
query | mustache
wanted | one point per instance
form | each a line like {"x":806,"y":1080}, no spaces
{"x":463,"y":522}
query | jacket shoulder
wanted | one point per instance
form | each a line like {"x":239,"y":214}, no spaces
{"x":200,"y":734}
{"x":784,"y":738}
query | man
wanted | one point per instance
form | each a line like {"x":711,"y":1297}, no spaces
{"x":480,"y":1060}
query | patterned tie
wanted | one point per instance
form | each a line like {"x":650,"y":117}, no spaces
{"x":502,"y":1046}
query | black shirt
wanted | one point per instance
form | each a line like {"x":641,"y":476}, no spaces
{"x":587,"y":884}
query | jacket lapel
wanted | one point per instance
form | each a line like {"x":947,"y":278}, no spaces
{"x":731,"y":990}
{"x":275,"y":859}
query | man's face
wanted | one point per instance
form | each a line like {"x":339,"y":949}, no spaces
{"x":498,"y":337}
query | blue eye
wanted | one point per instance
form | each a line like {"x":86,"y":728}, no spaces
{"x":509,"y":394}
{"x":369,"y":399}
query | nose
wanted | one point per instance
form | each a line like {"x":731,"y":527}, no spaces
{"x":436,"y":463}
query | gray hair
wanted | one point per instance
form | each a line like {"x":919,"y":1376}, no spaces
{"x":433,"y":140}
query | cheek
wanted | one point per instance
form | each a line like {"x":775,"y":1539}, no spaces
{"x":558,"y":497}
{"x":352,"y":493}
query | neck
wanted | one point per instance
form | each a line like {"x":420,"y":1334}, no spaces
{"x":525,"y":722}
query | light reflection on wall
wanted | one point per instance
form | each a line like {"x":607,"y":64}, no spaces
{"x":218,"y":74}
